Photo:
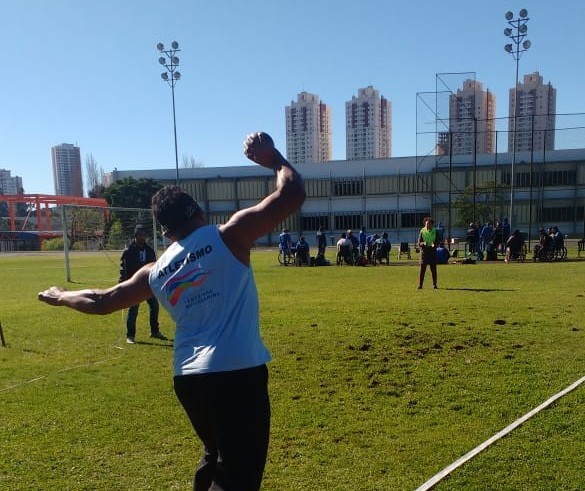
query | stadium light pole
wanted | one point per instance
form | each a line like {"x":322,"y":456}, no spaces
{"x":517,"y":33}
{"x":170,"y":61}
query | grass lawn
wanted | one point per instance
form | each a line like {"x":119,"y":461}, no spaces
{"x":375,"y":385}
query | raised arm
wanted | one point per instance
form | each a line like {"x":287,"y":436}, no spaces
{"x":249,"y":224}
{"x":98,"y":301}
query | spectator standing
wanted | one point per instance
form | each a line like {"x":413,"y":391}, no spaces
{"x":134,"y":256}
{"x":362,"y":240}
{"x":485,"y":237}
{"x":321,"y":241}
{"x":472,"y":238}
{"x":285,"y":241}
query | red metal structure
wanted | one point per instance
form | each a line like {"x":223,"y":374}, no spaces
{"x":43,"y":201}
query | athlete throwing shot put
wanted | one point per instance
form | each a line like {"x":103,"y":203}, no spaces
{"x":205,"y":281}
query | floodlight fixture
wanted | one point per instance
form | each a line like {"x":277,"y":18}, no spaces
{"x":523,"y":13}
{"x":509,"y":15}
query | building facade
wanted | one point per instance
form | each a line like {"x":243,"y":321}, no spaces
{"x":472,"y":113}
{"x":66,"y":159}
{"x":9,"y":184}
{"x":308,"y":130}
{"x":532,"y":113}
{"x":394,"y":195}
{"x":368,"y":126}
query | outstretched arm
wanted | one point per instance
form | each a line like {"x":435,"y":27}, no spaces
{"x":249,"y":224}
{"x":98,"y":301}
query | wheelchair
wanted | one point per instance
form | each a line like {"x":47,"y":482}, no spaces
{"x":344,"y":256}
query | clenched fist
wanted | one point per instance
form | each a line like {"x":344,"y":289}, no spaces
{"x":259,"y":147}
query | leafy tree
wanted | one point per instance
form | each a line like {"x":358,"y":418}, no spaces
{"x":131,"y":193}
{"x":116,"y":238}
{"x":97,"y":191}
{"x":489,"y":200}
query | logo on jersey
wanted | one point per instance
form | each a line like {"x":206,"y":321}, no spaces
{"x":177,"y":286}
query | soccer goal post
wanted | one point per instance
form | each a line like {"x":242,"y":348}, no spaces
{"x":101,"y":229}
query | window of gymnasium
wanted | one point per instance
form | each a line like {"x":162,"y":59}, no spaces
{"x":346,"y":222}
{"x":348,"y":187}
{"x":314,"y":222}
{"x":560,"y":214}
{"x":382,"y":220}
{"x":414,"y":219}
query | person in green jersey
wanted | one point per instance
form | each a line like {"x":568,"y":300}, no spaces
{"x":428,"y":240}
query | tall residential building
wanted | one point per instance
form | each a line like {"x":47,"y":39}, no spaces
{"x":67,"y":170}
{"x":9,"y":184}
{"x":368,"y":126}
{"x":472,"y":112}
{"x":308,"y":130}
{"x":535,"y":116}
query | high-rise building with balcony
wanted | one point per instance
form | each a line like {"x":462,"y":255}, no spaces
{"x":368,"y":126}
{"x":10,"y":184}
{"x":472,"y":112}
{"x":308,"y":130}
{"x":67,"y":170}
{"x":535,"y":115}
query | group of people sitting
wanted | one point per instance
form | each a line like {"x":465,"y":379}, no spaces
{"x":300,"y":251}
{"x":488,"y":240}
{"x":364,"y":249}
{"x":550,"y":243}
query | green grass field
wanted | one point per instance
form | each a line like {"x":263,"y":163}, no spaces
{"x":375,"y":385}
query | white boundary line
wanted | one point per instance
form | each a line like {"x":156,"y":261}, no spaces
{"x":447,"y":470}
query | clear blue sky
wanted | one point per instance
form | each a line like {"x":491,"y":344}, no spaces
{"x":86,"y":72}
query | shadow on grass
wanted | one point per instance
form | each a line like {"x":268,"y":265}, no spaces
{"x":480,"y":289}
{"x":167,"y":344}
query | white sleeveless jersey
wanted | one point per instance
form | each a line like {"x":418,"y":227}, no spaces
{"x":213,"y":300}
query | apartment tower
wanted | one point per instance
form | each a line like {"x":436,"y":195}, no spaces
{"x":535,"y":115}
{"x":67,"y":170}
{"x":368,"y":126}
{"x":472,"y":112}
{"x":10,"y":184}
{"x":308,"y":130}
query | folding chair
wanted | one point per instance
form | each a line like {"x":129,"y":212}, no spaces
{"x":404,"y":249}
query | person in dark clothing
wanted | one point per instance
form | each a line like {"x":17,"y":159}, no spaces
{"x":472,"y":238}
{"x":134,"y":256}
{"x":514,"y":246}
{"x":321,"y":241}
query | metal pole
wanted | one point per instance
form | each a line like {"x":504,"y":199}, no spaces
{"x":65,"y":244}
{"x":175,"y":132}
{"x":514,"y":140}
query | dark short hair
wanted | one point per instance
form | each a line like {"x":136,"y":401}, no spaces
{"x":139,"y":229}
{"x":172,"y":208}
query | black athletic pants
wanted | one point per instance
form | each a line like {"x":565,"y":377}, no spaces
{"x":230,"y":412}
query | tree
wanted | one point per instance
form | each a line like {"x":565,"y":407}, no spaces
{"x":128,"y":193}
{"x":94,"y":177}
{"x":131,"y":193}
{"x":489,"y":199}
